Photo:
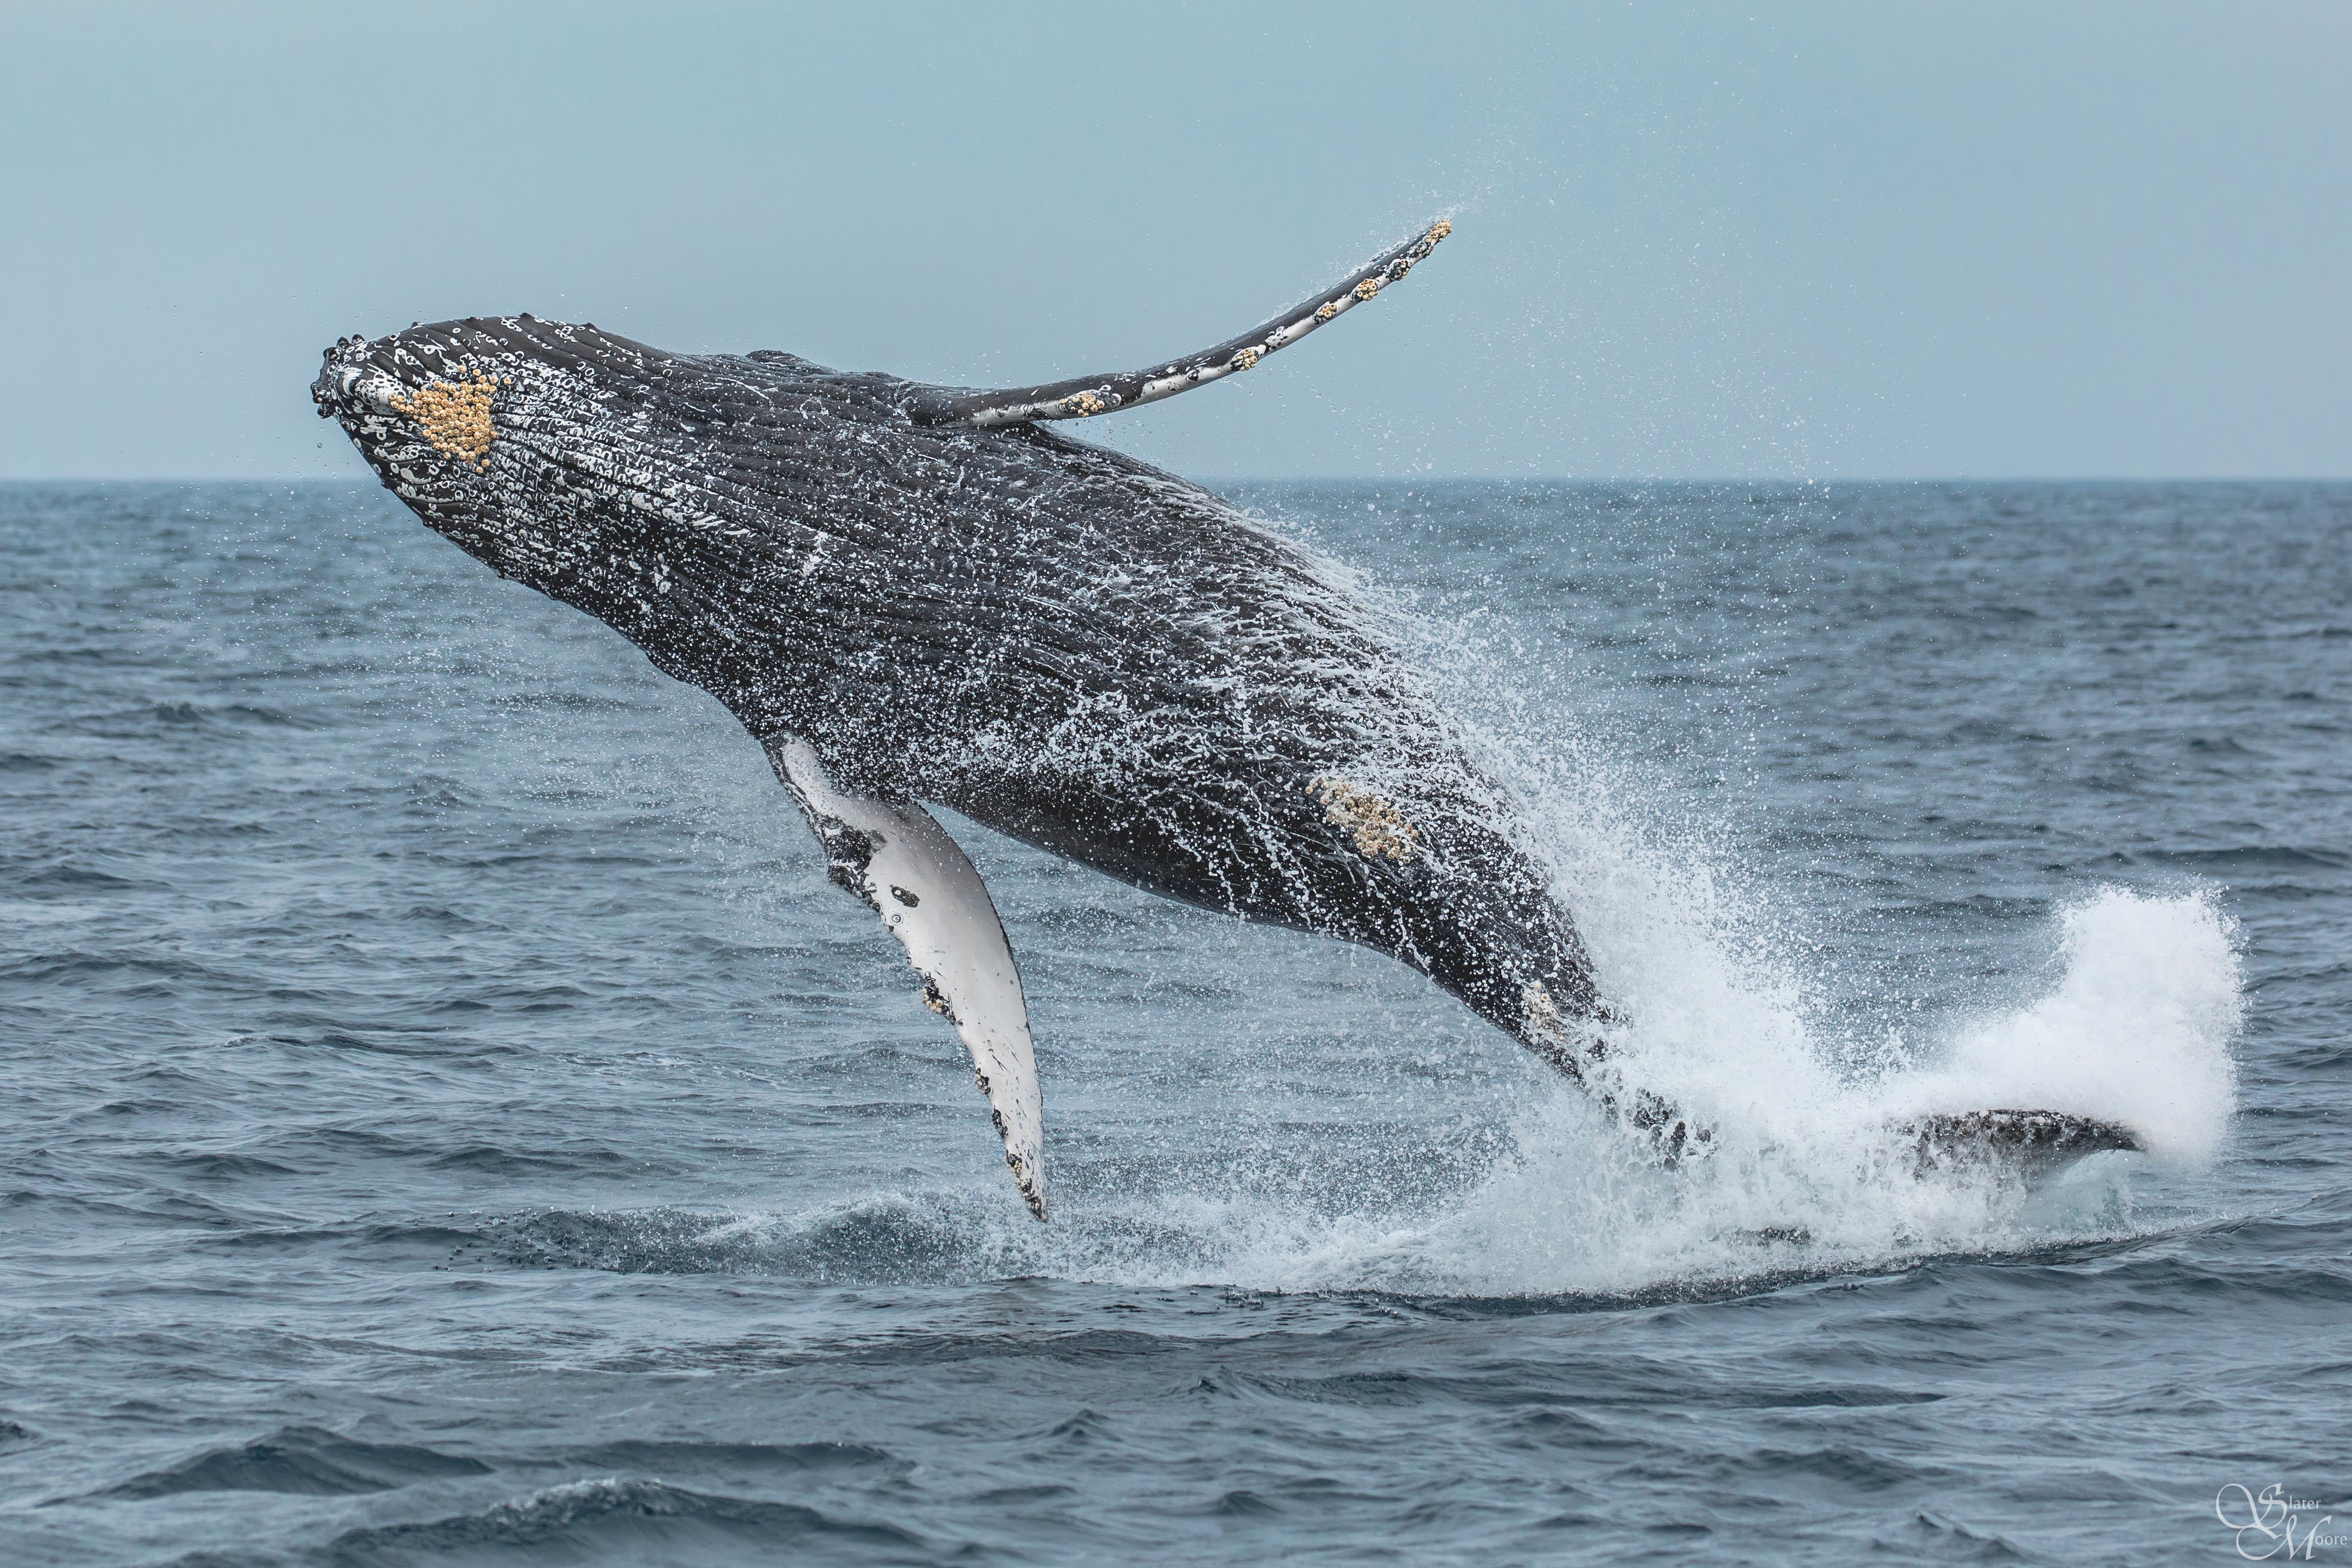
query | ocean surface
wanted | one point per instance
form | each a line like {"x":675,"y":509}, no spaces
{"x":450,"y":1118}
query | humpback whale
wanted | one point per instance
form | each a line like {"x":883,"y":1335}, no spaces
{"x":916,"y":595}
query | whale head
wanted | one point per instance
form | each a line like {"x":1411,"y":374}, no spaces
{"x":473,"y":426}
{"x":593,"y":467}
{"x":694,"y":503}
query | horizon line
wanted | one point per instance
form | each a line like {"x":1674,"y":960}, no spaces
{"x":1422,"y":479}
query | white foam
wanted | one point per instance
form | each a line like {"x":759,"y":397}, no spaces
{"x":2137,"y":1031}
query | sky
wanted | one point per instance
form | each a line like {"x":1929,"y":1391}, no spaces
{"x":1983,"y":240}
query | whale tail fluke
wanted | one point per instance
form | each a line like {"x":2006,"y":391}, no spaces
{"x":2024,"y":1145}
{"x":2017,"y":1146}
{"x":2030,"y":1144}
{"x":2021,"y":1144}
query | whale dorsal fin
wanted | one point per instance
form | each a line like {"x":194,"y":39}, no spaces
{"x":900,"y":860}
{"x":1084,"y":396}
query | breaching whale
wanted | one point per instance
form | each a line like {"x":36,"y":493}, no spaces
{"x":911,"y":593}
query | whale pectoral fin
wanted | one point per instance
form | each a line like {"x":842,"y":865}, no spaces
{"x":1087,"y":395}
{"x":902,"y":862}
{"x":2030,"y":1143}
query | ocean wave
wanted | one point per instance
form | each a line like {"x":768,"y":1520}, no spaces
{"x":2252,"y":857}
{"x":631,"y":1521}
{"x":879,"y":1240}
{"x":650,"y":1456}
{"x":213,"y":1165}
{"x":491,"y":1160}
{"x":305,"y":1461}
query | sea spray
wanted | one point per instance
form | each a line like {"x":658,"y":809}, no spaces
{"x":2139,"y":1027}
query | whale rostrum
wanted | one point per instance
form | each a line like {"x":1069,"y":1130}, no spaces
{"x":915,"y":594}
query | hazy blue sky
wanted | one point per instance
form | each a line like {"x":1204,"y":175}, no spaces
{"x":1975,"y":239}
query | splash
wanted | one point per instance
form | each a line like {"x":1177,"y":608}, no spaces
{"x":2137,"y":1031}
{"x":1802,"y":1178}
{"x":1805,"y":1173}
{"x":1726,"y":989}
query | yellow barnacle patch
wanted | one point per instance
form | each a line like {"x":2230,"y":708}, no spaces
{"x":1543,"y":1013}
{"x":456,"y":418}
{"x":1379,"y":829}
{"x":1440,"y":229}
{"x":1083,"y":403}
{"x":1328,"y":311}
{"x":1368,"y":288}
{"x":1247,"y":358}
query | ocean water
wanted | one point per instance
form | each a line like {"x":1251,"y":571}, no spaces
{"x":450,"y":1119}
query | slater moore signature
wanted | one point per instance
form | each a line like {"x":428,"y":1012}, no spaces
{"x":2269,"y":1526}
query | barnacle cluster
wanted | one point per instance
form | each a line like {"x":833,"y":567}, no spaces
{"x":1328,"y":311}
{"x":1083,"y":403}
{"x":1247,"y":358}
{"x":1379,"y":830}
{"x":1368,"y":288}
{"x":456,"y":417}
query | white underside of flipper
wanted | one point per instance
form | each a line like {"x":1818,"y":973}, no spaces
{"x":901,"y":862}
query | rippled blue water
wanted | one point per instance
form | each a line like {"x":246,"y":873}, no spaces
{"x":450,"y":1118}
